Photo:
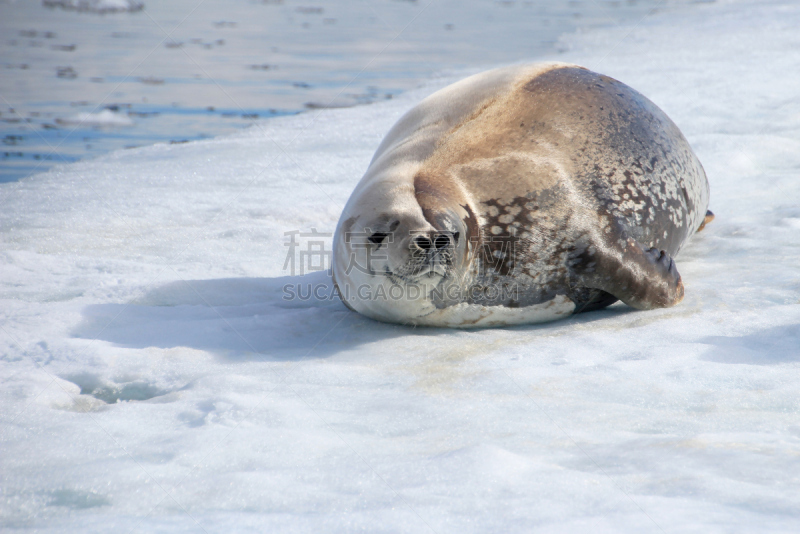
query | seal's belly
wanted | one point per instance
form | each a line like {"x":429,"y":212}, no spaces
{"x":465,"y":315}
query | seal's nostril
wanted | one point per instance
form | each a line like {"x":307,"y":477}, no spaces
{"x":422,"y":242}
{"x":441,"y":241}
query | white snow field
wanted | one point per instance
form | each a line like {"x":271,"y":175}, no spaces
{"x":155,"y":380}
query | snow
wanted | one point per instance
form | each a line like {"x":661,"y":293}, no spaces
{"x":156,"y":380}
{"x":105,"y":118}
{"x":96,"y":6}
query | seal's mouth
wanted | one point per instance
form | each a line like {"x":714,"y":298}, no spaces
{"x":426,"y":269}
{"x":431,"y":263}
{"x":432,"y":269}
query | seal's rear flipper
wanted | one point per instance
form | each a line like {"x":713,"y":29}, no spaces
{"x":648,"y":279}
{"x":709,"y":217}
{"x":643,"y":279}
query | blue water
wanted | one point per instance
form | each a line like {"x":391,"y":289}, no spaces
{"x":185,"y":69}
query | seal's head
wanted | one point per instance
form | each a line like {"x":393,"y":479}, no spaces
{"x":401,"y":251}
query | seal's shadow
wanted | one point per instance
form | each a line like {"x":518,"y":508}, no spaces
{"x":238,"y":318}
{"x":241,"y":319}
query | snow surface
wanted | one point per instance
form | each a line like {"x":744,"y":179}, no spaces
{"x":105,"y":118}
{"x":155,"y":380}
{"x":96,"y":6}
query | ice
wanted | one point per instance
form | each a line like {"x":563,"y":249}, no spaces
{"x":105,"y":118}
{"x":96,"y":6}
{"x":155,"y":379}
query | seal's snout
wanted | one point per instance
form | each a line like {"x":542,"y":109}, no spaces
{"x":434,"y":247}
{"x":434,"y":242}
{"x":432,"y":252}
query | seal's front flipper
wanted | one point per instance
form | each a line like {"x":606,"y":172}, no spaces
{"x":639,"y":277}
{"x":708,"y":218}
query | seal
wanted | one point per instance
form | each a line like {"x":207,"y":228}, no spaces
{"x":520,"y":195}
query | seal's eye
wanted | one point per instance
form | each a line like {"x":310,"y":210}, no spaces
{"x":377,"y":238}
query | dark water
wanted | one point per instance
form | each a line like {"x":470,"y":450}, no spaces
{"x":188,"y":69}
